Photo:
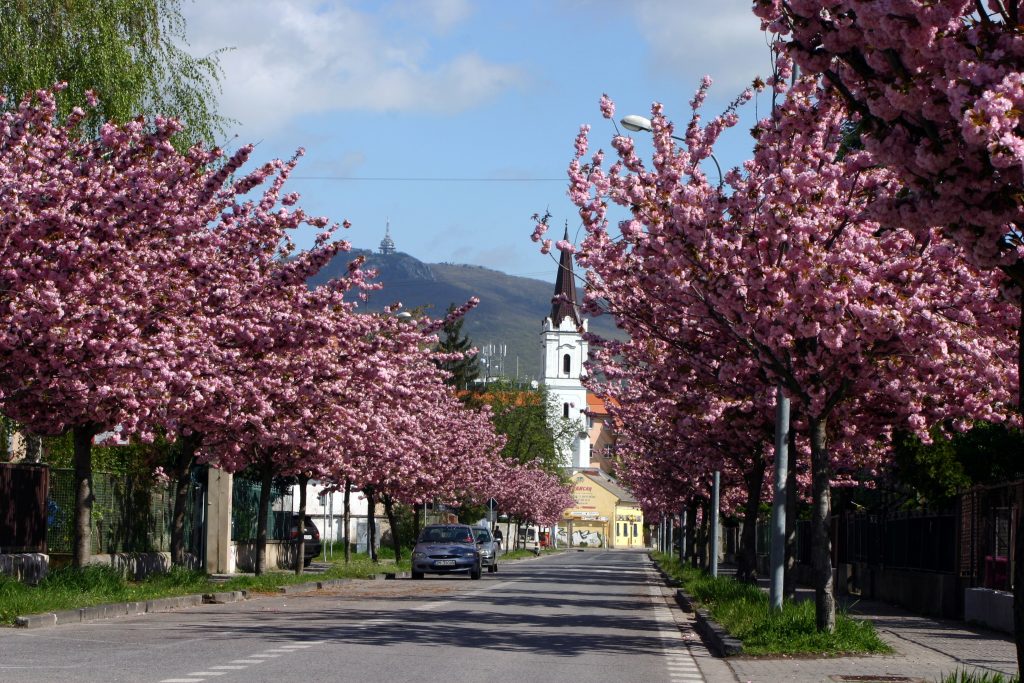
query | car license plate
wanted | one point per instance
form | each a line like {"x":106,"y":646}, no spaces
{"x":444,"y":563}
{"x":308,"y":537}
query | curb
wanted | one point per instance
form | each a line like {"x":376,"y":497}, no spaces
{"x":716,"y":637}
{"x":121,"y":609}
{"x":718,"y":640}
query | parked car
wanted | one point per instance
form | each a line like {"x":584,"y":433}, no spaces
{"x":446,"y":549}
{"x":311,"y":535}
{"x":489,"y":547}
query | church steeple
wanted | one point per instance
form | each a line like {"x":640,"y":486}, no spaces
{"x":563,"y":304}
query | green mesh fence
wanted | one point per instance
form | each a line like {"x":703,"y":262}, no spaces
{"x":129,"y":514}
{"x":245,"y":506}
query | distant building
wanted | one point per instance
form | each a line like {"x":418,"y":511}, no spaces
{"x":604,"y":515}
{"x":387,"y":245}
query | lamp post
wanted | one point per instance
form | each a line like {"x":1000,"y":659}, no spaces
{"x":636,"y":123}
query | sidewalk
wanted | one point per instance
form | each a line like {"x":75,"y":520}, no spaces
{"x":925,"y":649}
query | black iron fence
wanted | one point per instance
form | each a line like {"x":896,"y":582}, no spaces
{"x":129,"y":514}
{"x":245,"y":499}
{"x":921,"y":541}
{"x":23,"y":507}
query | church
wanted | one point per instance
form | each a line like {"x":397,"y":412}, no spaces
{"x":604,"y":514}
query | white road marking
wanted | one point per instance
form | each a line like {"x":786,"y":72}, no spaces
{"x":246,"y":661}
{"x":682,"y":667}
{"x":182,"y":680}
{"x":228,"y":667}
{"x":207,"y":673}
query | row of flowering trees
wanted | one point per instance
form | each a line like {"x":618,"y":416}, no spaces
{"x":159,"y":290}
{"x":822,"y":266}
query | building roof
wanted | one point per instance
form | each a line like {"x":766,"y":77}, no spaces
{"x":601,"y":477}
{"x":595,"y":405}
{"x":563,"y":304}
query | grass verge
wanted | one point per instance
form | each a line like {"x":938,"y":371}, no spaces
{"x":743,"y":610}
{"x":963,"y":676}
{"x":69,"y":588}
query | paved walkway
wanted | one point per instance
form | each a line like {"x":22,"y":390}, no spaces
{"x":925,"y":649}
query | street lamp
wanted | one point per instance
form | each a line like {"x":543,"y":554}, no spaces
{"x":637,"y":123}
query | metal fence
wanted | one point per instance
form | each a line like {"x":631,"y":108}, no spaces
{"x":920,"y":541}
{"x":245,"y":505}
{"x":23,"y":507}
{"x":987,"y":519}
{"x":129,"y":514}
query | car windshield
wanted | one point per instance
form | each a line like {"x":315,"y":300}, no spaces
{"x":446,"y":534}
{"x":483,"y":536}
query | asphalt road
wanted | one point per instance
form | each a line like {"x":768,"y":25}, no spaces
{"x":589,"y":616}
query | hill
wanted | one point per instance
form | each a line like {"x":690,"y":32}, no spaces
{"x":508,"y":319}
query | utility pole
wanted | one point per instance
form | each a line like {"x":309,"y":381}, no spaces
{"x":778,"y":546}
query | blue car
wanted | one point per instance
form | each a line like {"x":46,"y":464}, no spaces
{"x":446,"y":549}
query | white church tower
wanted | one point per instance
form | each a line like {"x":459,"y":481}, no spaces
{"x":562,"y":364}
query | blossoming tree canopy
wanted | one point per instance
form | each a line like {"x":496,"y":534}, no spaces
{"x":782,"y":263}
{"x":937,"y":89}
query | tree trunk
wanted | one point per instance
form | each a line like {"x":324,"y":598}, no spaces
{"x":33,"y":447}
{"x":821,"y":543}
{"x":1018,"y":545}
{"x":371,"y":525}
{"x":347,"y":517}
{"x":300,"y":549}
{"x":789,"y":579}
{"x":389,"y":510}
{"x":184,"y":456}
{"x":266,"y":482}
{"x":84,"y":496}
{"x":754,"y":479}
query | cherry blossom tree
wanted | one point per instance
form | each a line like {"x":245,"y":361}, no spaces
{"x":875,"y":327}
{"x":936,"y":91}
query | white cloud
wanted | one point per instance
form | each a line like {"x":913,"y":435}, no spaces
{"x":301,"y":56}
{"x":722,"y":39}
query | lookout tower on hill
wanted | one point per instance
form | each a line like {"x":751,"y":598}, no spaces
{"x":387,"y":245}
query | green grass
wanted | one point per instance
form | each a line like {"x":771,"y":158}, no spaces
{"x":743,"y":610}
{"x":69,"y":588}
{"x":964,"y":676}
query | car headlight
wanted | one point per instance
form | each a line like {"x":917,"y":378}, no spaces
{"x":418,"y":556}
{"x":485,"y":553}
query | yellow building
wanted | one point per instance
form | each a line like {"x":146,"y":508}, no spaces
{"x":604,"y":515}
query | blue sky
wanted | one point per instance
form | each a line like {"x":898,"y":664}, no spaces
{"x":454,"y":120}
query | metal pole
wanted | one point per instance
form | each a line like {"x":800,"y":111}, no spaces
{"x":671,"y":519}
{"x":683,"y":530}
{"x":714,"y":524}
{"x":778,"y":547}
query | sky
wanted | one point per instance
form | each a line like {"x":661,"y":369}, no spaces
{"x":453,"y":121}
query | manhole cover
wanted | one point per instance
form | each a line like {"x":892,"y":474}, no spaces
{"x":876,"y":679}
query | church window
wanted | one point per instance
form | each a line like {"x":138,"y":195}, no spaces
{"x":565,"y":410}
{"x":566,"y":364}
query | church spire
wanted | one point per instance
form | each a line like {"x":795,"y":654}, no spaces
{"x":563,"y":304}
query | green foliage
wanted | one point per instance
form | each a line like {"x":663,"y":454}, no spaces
{"x":137,"y":458}
{"x":964,"y":676}
{"x":935,"y":473}
{"x":743,"y":610}
{"x":464,"y":370}
{"x":126,"y":51}
{"x":524,"y":416}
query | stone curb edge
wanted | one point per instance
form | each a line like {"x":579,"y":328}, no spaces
{"x":114,"y":610}
{"x":718,"y":640}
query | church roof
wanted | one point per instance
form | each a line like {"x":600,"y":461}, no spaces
{"x":563,"y":304}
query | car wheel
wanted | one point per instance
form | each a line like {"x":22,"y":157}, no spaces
{"x":307,"y":561}
{"x":417,"y":576}
{"x":475,"y":573}
{"x":493,"y":568}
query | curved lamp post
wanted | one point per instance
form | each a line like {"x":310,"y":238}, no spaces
{"x":635,"y":122}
